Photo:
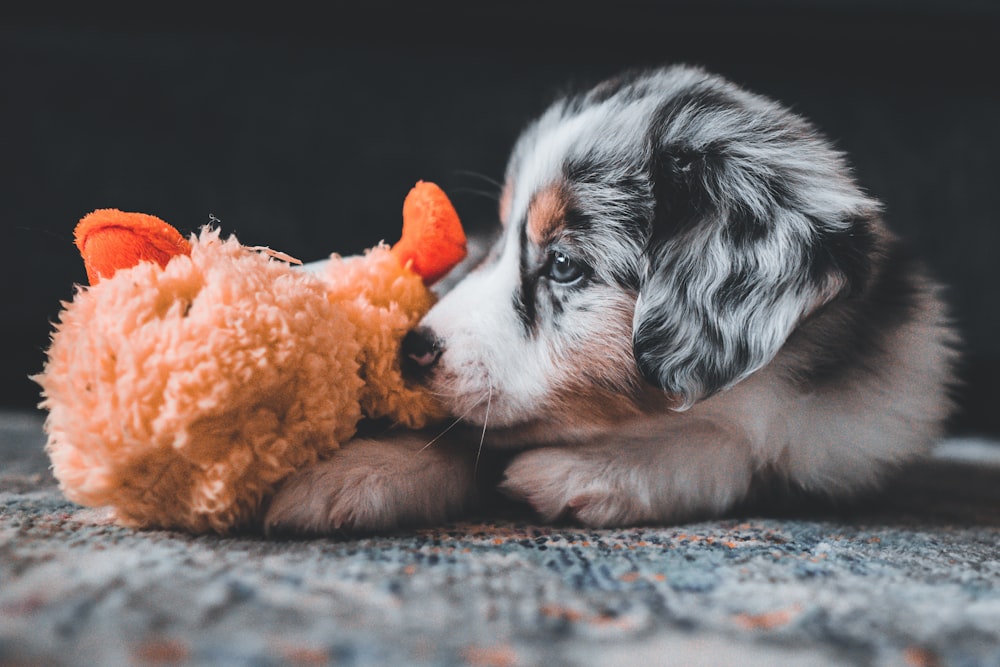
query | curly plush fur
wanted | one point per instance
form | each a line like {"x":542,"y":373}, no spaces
{"x":180,"y":396}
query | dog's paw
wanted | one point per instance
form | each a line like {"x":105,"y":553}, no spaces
{"x":329,"y":497}
{"x":567,"y":485}
{"x":371,"y":486}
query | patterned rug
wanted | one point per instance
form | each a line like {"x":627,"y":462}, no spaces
{"x":911,"y":577}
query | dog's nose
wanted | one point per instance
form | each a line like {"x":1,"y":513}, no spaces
{"x":421,"y":348}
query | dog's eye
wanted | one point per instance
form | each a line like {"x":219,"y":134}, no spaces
{"x":564,"y":269}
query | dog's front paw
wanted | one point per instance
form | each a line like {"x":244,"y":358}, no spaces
{"x":329,"y":497}
{"x":372,"y":486}
{"x":562,"y":484}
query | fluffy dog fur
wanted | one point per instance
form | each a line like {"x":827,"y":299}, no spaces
{"x":690,"y":297}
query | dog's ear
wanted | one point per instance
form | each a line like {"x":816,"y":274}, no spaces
{"x":743,"y":248}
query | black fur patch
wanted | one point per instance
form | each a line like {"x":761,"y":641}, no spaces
{"x":865,"y":316}
{"x":679,"y":171}
{"x":689,"y":181}
{"x":734,"y":290}
{"x":680,"y":176}
{"x":849,"y":253}
{"x":524,"y":298}
{"x":744,"y":228}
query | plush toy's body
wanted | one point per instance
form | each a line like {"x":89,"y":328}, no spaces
{"x":191,"y":377}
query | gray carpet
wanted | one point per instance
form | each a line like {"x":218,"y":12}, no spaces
{"x":911,"y":577}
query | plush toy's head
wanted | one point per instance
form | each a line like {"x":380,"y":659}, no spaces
{"x":192,"y":376}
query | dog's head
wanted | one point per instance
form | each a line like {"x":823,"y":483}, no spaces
{"x":663,"y":234}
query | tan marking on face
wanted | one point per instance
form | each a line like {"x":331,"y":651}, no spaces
{"x":546,"y":214}
{"x":604,"y":386}
{"x":505,"y":199}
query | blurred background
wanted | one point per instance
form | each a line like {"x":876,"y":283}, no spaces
{"x":304,"y":131}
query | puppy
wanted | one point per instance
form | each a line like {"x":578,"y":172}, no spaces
{"x":690,"y":297}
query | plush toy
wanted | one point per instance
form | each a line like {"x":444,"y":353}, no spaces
{"x":192,"y":376}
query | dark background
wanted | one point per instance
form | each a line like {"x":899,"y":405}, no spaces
{"x":304,"y":131}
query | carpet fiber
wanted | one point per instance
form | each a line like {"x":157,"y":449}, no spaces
{"x":910,"y":578}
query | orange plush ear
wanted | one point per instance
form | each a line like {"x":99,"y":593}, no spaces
{"x":109,"y":239}
{"x":433,"y":240}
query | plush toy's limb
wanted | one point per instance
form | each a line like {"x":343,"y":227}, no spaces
{"x":110,"y":239}
{"x":433,"y":240}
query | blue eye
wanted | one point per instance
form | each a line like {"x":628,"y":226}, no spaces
{"x":564,"y":269}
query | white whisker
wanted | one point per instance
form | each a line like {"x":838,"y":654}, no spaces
{"x":457,"y":421}
{"x":492,"y":196}
{"x":482,"y":438}
{"x":484,"y":177}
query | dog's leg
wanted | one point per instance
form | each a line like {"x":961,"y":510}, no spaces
{"x":699,"y":471}
{"x":374,"y":485}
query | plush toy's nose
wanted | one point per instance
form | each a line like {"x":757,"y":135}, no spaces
{"x":421,"y":349}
